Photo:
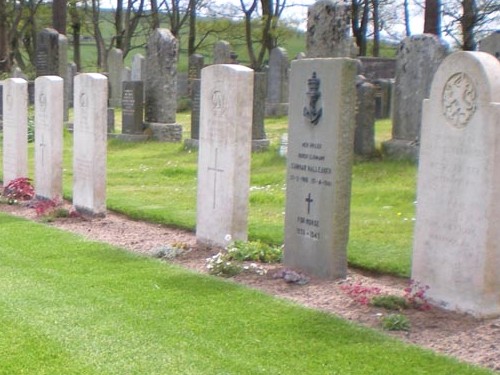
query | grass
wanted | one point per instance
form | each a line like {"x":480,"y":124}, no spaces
{"x":157,"y":182}
{"x":69,"y":306}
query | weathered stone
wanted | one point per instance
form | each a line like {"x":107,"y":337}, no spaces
{"x":115,"y":71}
{"x":259,"y":139}
{"x":161,"y":86}
{"x":419,"y":56}
{"x":364,"y":135}
{"x":491,"y":44}
{"x":328,"y":27}
{"x":277,"y":83}
{"x":138,"y":70}
{"x":222,"y":52}
{"x":47,"y":54}
{"x":133,"y":111}
{"x":319,"y":164}
{"x":193,"y":142}
{"x":457,"y":241}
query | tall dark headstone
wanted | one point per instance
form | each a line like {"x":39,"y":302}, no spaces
{"x":364,"y":135}
{"x":133,"y":111}
{"x":161,"y":86}
{"x":193,"y":142}
{"x":277,"y":83}
{"x":47,"y":53}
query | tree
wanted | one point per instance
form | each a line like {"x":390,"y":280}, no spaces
{"x":5,"y":62}
{"x":360,"y":12}
{"x":432,"y":17}
{"x":469,"y":20}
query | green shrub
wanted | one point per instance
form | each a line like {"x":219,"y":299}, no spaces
{"x":395,"y":322}
{"x":255,"y":251}
{"x":390,"y":302}
{"x":221,"y":265}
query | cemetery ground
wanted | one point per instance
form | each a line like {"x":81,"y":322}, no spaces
{"x":156,"y":183}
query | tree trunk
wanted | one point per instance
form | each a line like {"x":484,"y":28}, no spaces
{"x":5,"y":63}
{"x":376,"y":28}
{"x":155,"y":24}
{"x":432,"y":18}
{"x":99,"y":40}
{"x":59,"y":16}
{"x":468,"y":22}
{"x":119,"y":25}
{"x":192,"y":28}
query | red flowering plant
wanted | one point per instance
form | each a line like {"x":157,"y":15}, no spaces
{"x":415,"y":295}
{"x":360,"y":293}
{"x":19,"y":189}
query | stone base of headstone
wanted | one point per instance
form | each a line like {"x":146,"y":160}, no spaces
{"x":192,"y":144}
{"x":259,"y":145}
{"x":130,"y":137}
{"x":276,"y":109}
{"x":164,"y":132}
{"x":400,"y":149}
{"x":86,"y":213}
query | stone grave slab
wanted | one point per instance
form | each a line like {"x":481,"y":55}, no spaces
{"x":457,"y":242}
{"x":90,"y":142}
{"x":319,"y":164}
{"x":15,"y":129}
{"x":49,"y":119}
{"x":224,"y":154}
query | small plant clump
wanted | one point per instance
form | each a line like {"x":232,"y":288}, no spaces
{"x":221,"y":265}
{"x":395,"y":322}
{"x":255,"y":251}
{"x":390,"y":302}
{"x":360,"y":293}
{"x":19,"y":189}
{"x":415,"y":295}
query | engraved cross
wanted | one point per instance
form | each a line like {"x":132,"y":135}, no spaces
{"x":216,"y":169}
{"x":309,"y":200}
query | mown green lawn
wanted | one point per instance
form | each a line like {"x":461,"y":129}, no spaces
{"x":69,"y":306}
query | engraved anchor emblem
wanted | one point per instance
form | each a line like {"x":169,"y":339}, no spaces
{"x":313,"y":114}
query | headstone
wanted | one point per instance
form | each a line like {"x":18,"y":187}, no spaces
{"x":383,"y":97}
{"x":68,"y":88}
{"x":15,"y":129}
{"x":222,"y":52}
{"x":18,"y":73}
{"x":195,"y":65}
{"x":259,"y":139}
{"x":47,"y":54}
{"x":224,"y":154}
{"x":111,"y":121}
{"x":49,"y":118}
{"x":364,"y":134}
{"x":126,"y":74}
{"x":283,"y":151}
{"x":419,"y":56}
{"x":90,"y":140}
{"x":133,"y":111}
{"x":491,"y":44}
{"x":277,"y":83}
{"x":138,"y":68}
{"x":115,"y":71}
{"x":328,"y":26}
{"x":193,"y":142}
{"x":375,"y":68}
{"x":63,"y":73}
{"x":182,"y":85}
{"x":457,"y":241}
{"x":161,"y":86}
{"x":319,"y":164}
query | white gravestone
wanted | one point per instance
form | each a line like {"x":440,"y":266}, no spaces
{"x":90,"y":140}
{"x":224,"y":154}
{"x":319,"y":163}
{"x":15,"y":129}
{"x":49,"y":111}
{"x":457,"y":241}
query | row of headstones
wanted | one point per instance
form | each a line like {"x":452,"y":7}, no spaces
{"x":456,"y":250}
{"x":90,"y":138}
{"x":456,"y":246}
